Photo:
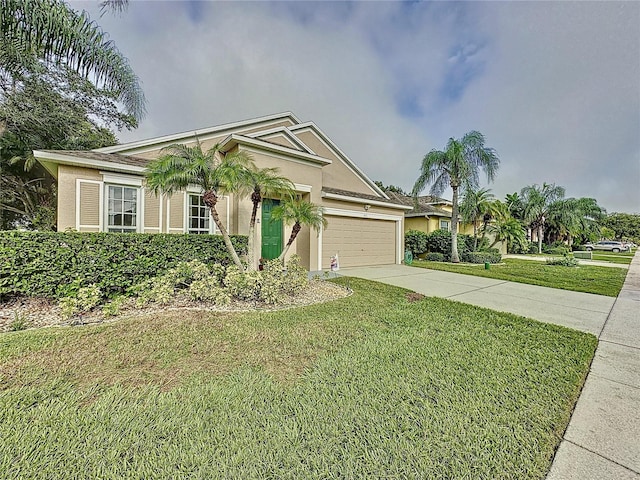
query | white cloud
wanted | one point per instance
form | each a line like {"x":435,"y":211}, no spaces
{"x":552,"y":85}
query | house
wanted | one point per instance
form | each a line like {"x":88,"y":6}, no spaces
{"x":103,"y":190}
{"x":428,"y":213}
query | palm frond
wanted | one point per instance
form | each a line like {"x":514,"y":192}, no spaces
{"x":51,"y":31}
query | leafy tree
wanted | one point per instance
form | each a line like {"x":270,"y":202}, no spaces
{"x":475,"y":208}
{"x":181,"y":165}
{"x":299,"y":213}
{"x":53,"y":111}
{"x":458,"y":167}
{"x":261,"y":183}
{"x":537,"y":201}
{"x":624,"y":225}
{"x":389,"y":188}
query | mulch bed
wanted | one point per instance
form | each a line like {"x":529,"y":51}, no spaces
{"x":28,"y":312}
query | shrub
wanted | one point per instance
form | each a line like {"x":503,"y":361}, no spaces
{"x":57,"y":264}
{"x":533,"y":247}
{"x":482,"y":257}
{"x":556,"y":248}
{"x":84,"y":301}
{"x":209,"y":290}
{"x":435,"y":257}
{"x":245,"y":286}
{"x":416,"y":242}
{"x":439,"y":241}
{"x":112,"y":308}
{"x":563,"y":261}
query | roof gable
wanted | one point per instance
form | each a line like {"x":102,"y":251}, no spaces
{"x":281,"y":136}
{"x":268,"y":122}
{"x":326,"y":141}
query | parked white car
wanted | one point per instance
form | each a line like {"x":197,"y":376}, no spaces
{"x":608,"y":245}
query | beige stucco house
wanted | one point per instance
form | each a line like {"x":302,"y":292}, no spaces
{"x":104,"y":191}
{"x":428,"y":213}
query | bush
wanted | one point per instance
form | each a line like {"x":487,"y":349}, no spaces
{"x":482,"y":257}
{"x":435,"y":257}
{"x":439,"y":241}
{"x":83,"y":301}
{"x":58,"y":264}
{"x":563,"y":261}
{"x":416,"y":242}
{"x":533,"y":247}
{"x":557,"y":248}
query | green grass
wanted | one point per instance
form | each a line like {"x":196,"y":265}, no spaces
{"x":585,"y":278}
{"x":370,"y":386}
{"x":622,"y":258}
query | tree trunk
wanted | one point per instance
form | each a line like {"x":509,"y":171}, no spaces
{"x":475,"y":236}
{"x":256,"y":198}
{"x":540,"y":234}
{"x":454,"y":225}
{"x":210,"y":200}
{"x":294,"y":233}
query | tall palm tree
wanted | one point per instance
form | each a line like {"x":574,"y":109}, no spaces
{"x":300,"y":213}
{"x":49,"y":31}
{"x":182,"y":165}
{"x":475,"y":208}
{"x":537,"y":201}
{"x":457,"y":166}
{"x":261,"y":183}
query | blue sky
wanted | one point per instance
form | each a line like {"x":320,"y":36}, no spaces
{"x":553,"y":86}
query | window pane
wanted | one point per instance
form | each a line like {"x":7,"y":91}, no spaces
{"x":130,"y":194}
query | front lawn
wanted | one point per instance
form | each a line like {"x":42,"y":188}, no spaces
{"x":585,"y":278}
{"x":622,"y":257}
{"x":369,"y":386}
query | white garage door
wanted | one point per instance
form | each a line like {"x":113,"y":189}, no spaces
{"x":359,"y":241}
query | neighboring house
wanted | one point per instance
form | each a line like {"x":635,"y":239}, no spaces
{"x":104,"y":190}
{"x":428,"y":213}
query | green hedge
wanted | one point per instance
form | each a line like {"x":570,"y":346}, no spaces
{"x":416,"y":242}
{"x":481,"y":257}
{"x":56,"y":264}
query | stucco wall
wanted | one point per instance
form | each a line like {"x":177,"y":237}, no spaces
{"x":67,"y":177}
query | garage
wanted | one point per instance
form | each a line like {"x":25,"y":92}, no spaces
{"x":359,"y":241}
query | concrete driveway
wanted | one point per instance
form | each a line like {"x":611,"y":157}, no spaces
{"x":581,"y":311}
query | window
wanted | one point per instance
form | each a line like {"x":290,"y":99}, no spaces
{"x":445,"y":225}
{"x":122,"y":212}
{"x":198,"y":219}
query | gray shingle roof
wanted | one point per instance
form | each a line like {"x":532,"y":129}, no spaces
{"x":103,"y":157}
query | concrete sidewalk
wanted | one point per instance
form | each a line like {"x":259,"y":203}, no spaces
{"x":602,"y":440}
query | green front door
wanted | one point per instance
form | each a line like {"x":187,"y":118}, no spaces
{"x":271,"y":231}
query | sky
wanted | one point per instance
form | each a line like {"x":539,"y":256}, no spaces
{"x":553,"y":86}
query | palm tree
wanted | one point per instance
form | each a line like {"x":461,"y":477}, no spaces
{"x":514,"y":205}
{"x":474,"y":208}
{"x":457,"y":167}
{"x":537,"y":201}
{"x":507,"y":229}
{"x":49,"y":31}
{"x":182,"y":165}
{"x":299,"y":212}
{"x":261,"y":183}
{"x":571,"y":217}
